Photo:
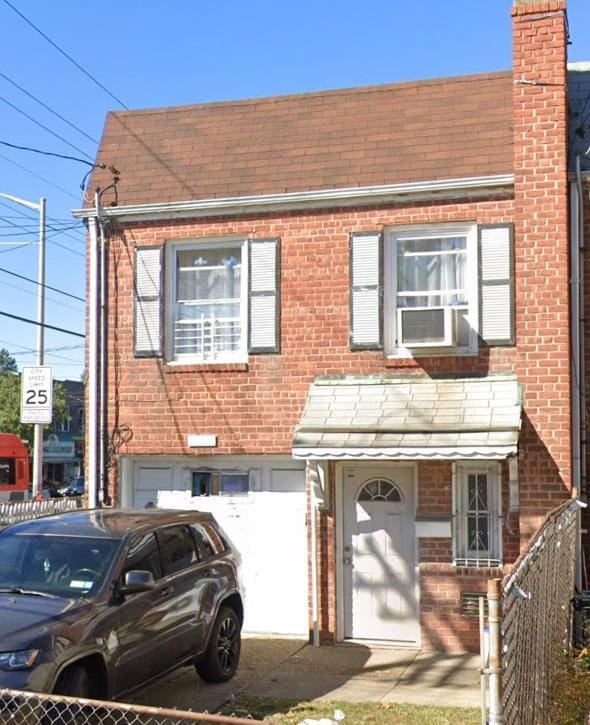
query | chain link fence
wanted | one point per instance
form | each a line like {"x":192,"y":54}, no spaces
{"x":27,"y":708}
{"x":536,"y":617}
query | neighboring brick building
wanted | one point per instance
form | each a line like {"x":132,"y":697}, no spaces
{"x":366,"y":290}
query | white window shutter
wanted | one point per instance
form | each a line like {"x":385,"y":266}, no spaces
{"x":366,"y":291}
{"x":264,"y":296}
{"x":148,"y":302}
{"x":496,"y":284}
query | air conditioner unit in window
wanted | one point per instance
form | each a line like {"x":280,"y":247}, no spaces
{"x":427,"y":326}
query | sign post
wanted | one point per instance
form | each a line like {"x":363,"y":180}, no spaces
{"x":36,"y":406}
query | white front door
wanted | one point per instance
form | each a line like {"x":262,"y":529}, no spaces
{"x":378,"y":564}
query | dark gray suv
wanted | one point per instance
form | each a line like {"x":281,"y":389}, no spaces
{"x":97,"y":603}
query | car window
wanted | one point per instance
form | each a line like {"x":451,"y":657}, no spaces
{"x":12,"y":553}
{"x":177,"y":548}
{"x":143,"y":554}
{"x":203,"y":542}
{"x":69,"y":566}
{"x":216,"y":539}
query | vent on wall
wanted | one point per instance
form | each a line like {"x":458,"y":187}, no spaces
{"x":470,"y":603}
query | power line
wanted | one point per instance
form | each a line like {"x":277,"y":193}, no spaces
{"x":39,"y":324}
{"x":44,"y":127}
{"x":68,"y":249}
{"x":27,"y":350}
{"x":20,"y":246}
{"x":52,"y":153}
{"x":30,"y":292}
{"x":86,"y":73}
{"x":47,"y":286}
{"x":63,"y":230}
{"x":51,"y":110}
{"x":41,"y":178}
{"x":49,"y":236}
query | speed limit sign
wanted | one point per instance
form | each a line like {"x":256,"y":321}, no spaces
{"x":36,"y":401}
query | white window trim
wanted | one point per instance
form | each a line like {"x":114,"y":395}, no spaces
{"x":392,"y":234}
{"x":174,"y":246}
{"x":460,"y":472}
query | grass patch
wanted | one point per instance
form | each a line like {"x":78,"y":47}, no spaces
{"x":571,"y":691}
{"x":291,"y":712}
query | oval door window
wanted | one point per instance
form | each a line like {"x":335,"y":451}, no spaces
{"x":379,"y":489}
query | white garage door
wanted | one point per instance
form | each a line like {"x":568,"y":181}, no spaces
{"x":268,"y":528}
{"x":150,"y":481}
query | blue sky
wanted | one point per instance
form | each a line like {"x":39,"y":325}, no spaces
{"x":150,"y":54}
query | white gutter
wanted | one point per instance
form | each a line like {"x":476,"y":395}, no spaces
{"x":474,"y":186}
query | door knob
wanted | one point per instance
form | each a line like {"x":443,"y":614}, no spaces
{"x":347,"y":560}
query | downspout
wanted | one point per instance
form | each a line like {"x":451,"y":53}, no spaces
{"x":314,"y":568}
{"x":582,"y":327}
{"x":578,"y":358}
{"x":93,"y":360}
{"x":103,"y":495}
{"x":575,"y":334}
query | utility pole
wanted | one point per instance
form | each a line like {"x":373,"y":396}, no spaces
{"x":38,"y":431}
{"x":38,"y":427}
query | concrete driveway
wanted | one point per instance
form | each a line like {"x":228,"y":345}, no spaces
{"x":292,"y":669}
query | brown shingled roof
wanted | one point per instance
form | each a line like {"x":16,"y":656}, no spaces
{"x":427,"y":130}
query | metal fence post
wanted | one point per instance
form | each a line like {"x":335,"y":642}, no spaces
{"x":495,"y":652}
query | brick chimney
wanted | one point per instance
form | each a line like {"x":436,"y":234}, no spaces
{"x":541,"y":259}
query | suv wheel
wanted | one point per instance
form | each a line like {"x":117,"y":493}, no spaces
{"x":73,"y":681}
{"x":220,"y":661}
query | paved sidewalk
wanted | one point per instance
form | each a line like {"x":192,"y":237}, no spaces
{"x":292,"y":669}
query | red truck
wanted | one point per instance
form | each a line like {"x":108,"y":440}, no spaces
{"x":14,"y":468}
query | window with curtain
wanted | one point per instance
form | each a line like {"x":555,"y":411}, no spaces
{"x":431,"y":272}
{"x":431,"y":287}
{"x":209,"y":302}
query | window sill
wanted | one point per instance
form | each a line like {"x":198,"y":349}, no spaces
{"x":407,"y":354}
{"x":210,"y":367}
{"x":477,"y":563}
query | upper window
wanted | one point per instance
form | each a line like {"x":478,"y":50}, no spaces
{"x":222,"y":301}
{"x":477,"y":530}
{"x":208,"y":310}
{"x":431,"y":290}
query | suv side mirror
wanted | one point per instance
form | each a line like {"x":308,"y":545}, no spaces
{"x":137,"y":581}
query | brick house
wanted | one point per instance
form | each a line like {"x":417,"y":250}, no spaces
{"x":341,"y":322}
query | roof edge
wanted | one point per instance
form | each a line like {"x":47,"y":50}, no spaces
{"x":412,"y":191}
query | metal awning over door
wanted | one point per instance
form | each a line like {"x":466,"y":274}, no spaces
{"x":410,"y":417}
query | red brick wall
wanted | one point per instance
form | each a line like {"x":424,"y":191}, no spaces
{"x":253,"y":408}
{"x":542,"y":274}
